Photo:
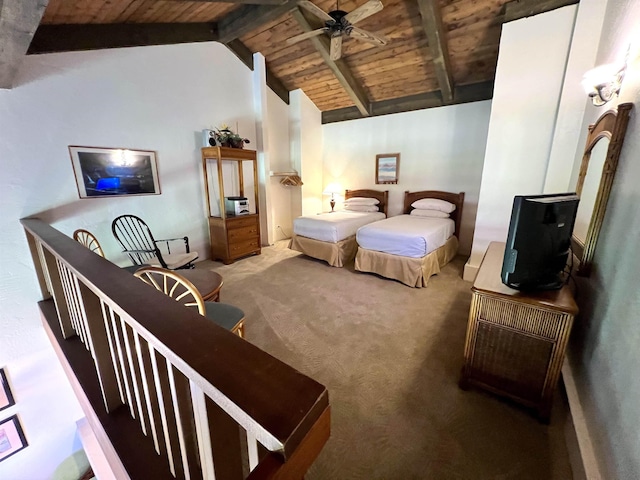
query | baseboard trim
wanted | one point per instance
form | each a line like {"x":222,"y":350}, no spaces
{"x":470,"y":272}
{"x":581,"y":453}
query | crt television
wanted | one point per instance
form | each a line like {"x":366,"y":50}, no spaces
{"x":539,"y":241}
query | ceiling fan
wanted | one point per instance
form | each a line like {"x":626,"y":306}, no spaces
{"x":339,"y":23}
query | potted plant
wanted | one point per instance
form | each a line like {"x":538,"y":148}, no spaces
{"x":227,"y":138}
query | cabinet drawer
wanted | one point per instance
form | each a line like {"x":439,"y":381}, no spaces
{"x":521,"y":317}
{"x":245,"y":233}
{"x":241,"y":222}
{"x":240,"y":249}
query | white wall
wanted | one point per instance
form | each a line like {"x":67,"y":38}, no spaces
{"x":306,"y":154}
{"x":527,"y":88}
{"x":440,"y":149}
{"x":156,"y":98}
{"x":604,"y":345}
{"x":567,"y":139}
{"x":280,"y":153}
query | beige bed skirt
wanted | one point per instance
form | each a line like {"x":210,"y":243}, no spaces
{"x":414,"y":272}
{"x":335,"y":254}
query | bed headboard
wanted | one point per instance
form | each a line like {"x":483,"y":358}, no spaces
{"x":383,"y":197}
{"x":456,"y":198}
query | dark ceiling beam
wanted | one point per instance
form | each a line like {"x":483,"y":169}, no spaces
{"x":464,"y":94}
{"x":526,"y":8}
{"x":19,"y":20}
{"x":241,"y":51}
{"x":432,"y":24}
{"x":338,"y":67}
{"x":246,"y":56}
{"x":246,"y":18}
{"x":69,"y":38}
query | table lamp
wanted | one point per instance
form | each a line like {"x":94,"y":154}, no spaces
{"x":332,"y":189}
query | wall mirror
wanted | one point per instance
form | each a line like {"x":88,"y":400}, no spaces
{"x":595,"y":179}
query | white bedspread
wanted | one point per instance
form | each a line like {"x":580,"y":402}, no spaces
{"x":406,"y":235}
{"x":333,"y":227}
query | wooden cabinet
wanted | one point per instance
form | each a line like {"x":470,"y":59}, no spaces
{"x":226,"y":173}
{"x":516,"y":341}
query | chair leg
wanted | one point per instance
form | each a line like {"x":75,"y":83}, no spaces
{"x":239,"y":329}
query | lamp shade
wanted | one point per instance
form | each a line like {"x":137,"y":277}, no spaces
{"x":603,"y":82}
{"x":332,"y":189}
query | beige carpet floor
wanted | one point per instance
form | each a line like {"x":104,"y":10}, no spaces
{"x":390,"y":357}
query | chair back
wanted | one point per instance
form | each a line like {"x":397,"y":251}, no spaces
{"x":87,"y":239}
{"x":173,"y":285}
{"x":136,"y":239}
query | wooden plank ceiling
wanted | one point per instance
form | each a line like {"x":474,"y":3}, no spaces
{"x":439,"y":52}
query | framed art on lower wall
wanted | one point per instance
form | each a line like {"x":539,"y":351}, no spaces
{"x":12,"y":438}
{"x":6,"y":397}
{"x":108,"y":172}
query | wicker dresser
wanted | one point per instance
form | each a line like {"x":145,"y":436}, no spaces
{"x":516,"y":340}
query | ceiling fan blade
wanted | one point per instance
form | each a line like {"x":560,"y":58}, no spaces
{"x":360,"y":34}
{"x":364,"y":11}
{"x":312,"y":8}
{"x":305,"y":35}
{"x":336,"y":47}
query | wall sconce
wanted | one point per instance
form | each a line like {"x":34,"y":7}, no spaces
{"x":603,"y":83}
{"x":332,"y":189}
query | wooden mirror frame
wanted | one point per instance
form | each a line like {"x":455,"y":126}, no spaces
{"x":612,"y":125}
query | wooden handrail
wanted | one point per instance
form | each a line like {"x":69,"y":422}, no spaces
{"x":274,"y":403}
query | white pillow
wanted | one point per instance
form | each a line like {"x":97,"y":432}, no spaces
{"x":429,"y":213}
{"x":361,"y":208}
{"x":361,"y":201}
{"x":434,"y":204}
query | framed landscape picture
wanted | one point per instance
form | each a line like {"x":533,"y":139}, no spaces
{"x":387,"y":168}
{"x":108,"y":172}
{"x":6,"y":397}
{"x":12,"y":438}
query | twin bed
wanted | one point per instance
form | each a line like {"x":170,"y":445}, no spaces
{"x":411,"y":248}
{"x":408,"y":248}
{"x":332,"y":236}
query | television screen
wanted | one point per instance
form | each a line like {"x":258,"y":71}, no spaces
{"x":103,"y":172}
{"x":539,"y":241}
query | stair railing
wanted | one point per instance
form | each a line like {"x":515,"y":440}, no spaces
{"x":207,"y":403}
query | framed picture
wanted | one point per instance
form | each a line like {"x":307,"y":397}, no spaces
{"x":6,"y":397}
{"x":12,"y":438}
{"x":387,"y":167}
{"x":109,"y":172}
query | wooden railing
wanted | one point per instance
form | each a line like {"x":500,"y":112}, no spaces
{"x":168,"y":393}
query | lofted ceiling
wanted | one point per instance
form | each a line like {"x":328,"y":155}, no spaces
{"x":438,"y":52}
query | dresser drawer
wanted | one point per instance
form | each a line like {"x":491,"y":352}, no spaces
{"x":524,"y":318}
{"x":244,"y":233}
{"x":242,"y":221}
{"x":240,"y":249}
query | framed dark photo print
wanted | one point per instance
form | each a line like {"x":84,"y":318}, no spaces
{"x":387,"y":165}
{"x":109,"y":172}
{"x":6,"y":397}
{"x":12,"y":438}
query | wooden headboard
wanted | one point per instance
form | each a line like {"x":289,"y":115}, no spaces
{"x":456,"y":198}
{"x":383,"y":197}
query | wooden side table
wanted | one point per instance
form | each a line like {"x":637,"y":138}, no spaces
{"x":516,"y":341}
